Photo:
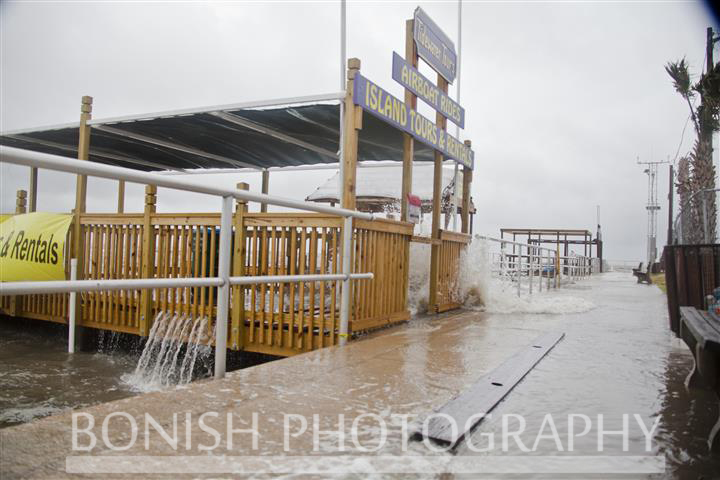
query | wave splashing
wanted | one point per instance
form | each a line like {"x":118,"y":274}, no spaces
{"x":175,"y":343}
{"x":480,"y":290}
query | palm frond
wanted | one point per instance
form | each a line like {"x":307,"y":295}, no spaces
{"x":680,"y":76}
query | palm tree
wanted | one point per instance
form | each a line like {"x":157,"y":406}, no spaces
{"x":700,"y":213}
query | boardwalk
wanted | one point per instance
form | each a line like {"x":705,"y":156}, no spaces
{"x":615,"y":359}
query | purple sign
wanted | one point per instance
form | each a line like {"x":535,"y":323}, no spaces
{"x":434,"y":46}
{"x":410,"y":78}
{"x":390,"y":109}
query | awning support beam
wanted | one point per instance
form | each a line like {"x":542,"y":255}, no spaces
{"x":173,"y":146}
{"x":93,"y":153}
{"x":243,"y":122}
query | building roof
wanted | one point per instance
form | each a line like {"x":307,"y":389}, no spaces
{"x":274,"y":133}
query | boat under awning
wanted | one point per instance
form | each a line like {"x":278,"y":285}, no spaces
{"x":258,"y":135}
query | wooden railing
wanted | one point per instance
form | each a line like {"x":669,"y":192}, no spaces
{"x":286,"y":317}
{"x":381,"y":247}
{"x":280,"y":318}
{"x":451,"y":248}
{"x":185,"y":246}
{"x":112,"y":248}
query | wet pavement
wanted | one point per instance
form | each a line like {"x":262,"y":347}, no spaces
{"x":618,"y":364}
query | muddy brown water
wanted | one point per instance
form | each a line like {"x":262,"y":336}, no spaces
{"x":39,"y":378}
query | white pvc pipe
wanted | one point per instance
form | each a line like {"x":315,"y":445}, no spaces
{"x":223,"y":293}
{"x":66,"y":286}
{"x":299,"y":278}
{"x":457,"y":127}
{"x":71,"y":313}
{"x":64,"y":164}
{"x":343,"y":86}
{"x":346,"y":269}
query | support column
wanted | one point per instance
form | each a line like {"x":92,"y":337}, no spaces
{"x":265,"y":187}
{"x":441,"y":122}
{"x":20,"y":208}
{"x":353,"y":123}
{"x":238,"y":270}
{"x":81,"y":180}
{"x":148,"y":259}
{"x":20,"y":202}
{"x":81,"y":198}
{"x":33,"y":189}
{"x":121,"y":197}
{"x":467,"y":190}
{"x":411,"y":57}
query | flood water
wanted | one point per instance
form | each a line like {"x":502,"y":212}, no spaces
{"x":39,"y":378}
{"x":618,"y":358}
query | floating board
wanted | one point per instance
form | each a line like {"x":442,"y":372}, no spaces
{"x":486,"y":393}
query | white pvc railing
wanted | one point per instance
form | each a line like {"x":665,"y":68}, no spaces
{"x":223,"y":281}
{"x":535,"y":266}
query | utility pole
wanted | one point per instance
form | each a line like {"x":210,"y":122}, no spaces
{"x":598,"y":241}
{"x":652,"y":208}
{"x":706,"y":124}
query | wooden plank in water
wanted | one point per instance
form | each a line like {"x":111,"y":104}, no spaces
{"x":487,"y":392}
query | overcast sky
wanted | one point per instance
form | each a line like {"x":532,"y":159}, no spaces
{"x":561,"y":98}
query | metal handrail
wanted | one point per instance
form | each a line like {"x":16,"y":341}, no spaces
{"x":67,"y":286}
{"x":223,"y":281}
{"x":532,"y":260}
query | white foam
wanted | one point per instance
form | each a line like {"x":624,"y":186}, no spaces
{"x":25,"y":414}
{"x":479,"y":290}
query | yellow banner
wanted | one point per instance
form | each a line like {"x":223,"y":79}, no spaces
{"x":32,"y":247}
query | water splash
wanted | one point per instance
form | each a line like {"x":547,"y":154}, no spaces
{"x":174,"y":344}
{"x":480,"y":290}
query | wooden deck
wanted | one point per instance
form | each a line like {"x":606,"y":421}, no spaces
{"x":282,"y":318}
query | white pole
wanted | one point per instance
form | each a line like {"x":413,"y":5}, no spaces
{"x":346,"y":270}
{"x":343,"y":61}
{"x":71,"y":313}
{"x":517,"y":268}
{"x":457,"y":127}
{"x":223,"y":298}
{"x":531,"y":259}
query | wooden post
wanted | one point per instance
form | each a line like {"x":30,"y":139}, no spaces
{"x":33,"y":189}
{"x":81,"y":182}
{"x":237,"y":311}
{"x":441,"y":122}
{"x":352,"y":124}
{"x":411,"y":57}
{"x":265,"y":187}
{"x":148,"y":258}
{"x":81,"y":198}
{"x":20,"y":208}
{"x":21,"y":202}
{"x":467,"y":188}
{"x":121,"y":196}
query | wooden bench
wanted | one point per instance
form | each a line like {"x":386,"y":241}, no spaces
{"x":642,"y":277}
{"x":700,"y":330}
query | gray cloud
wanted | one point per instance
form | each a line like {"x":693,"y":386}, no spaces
{"x":560,"y":97}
